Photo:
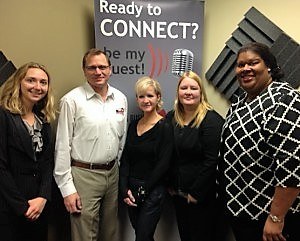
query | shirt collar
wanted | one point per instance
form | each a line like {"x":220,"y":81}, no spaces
{"x":90,"y":92}
{"x":110,"y":93}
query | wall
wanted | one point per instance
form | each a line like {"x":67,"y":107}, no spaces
{"x":221,"y":19}
{"x":57,"y":33}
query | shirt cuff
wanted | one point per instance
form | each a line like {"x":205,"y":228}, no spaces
{"x":68,"y":189}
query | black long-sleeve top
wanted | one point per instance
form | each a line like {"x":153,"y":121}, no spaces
{"x":195,"y":157}
{"x":146,"y":157}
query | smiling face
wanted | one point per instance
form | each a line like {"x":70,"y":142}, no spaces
{"x":189,"y":93}
{"x":34,"y":86}
{"x":97,"y":71}
{"x":147,"y":100}
{"x":252,"y":73}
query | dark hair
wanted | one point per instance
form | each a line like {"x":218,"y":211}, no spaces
{"x":264,"y":52}
{"x":93,"y":52}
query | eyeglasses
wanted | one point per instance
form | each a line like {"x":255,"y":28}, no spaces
{"x":95,"y":67}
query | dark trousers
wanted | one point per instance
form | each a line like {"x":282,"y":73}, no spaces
{"x":145,"y":216}
{"x":20,"y":229}
{"x":195,"y":221}
{"x":221,"y":230}
{"x":245,"y":229}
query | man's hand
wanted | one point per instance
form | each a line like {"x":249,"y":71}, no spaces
{"x":73,"y":203}
{"x":35,"y":209}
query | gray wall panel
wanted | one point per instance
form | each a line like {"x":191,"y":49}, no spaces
{"x":254,"y":27}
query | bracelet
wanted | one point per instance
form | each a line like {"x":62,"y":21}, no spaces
{"x":275,"y":219}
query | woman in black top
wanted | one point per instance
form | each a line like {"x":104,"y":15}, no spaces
{"x":26,"y":108}
{"x":197,"y":130}
{"x":145,"y":160}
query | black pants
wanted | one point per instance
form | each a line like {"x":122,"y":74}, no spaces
{"x":245,"y":229}
{"x":21,"y":229}
{"x":221,"y":230}
{"x":145,"y":216}
{"x":195,"y":221}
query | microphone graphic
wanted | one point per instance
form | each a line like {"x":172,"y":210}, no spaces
{"x":182,"y":61}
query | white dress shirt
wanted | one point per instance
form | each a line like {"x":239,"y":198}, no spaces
{"x":89,"y":130}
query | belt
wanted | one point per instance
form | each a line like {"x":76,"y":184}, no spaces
{"x":106,"y":166}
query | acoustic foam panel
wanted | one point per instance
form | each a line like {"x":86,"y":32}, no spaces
{"x":255,"y":27}
{"x":7,"y":68}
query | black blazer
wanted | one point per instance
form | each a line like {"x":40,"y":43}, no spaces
{"x":195,"y":157}
{"x":22,"y":177}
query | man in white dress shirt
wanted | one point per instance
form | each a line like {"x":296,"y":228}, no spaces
{"x":90,"y":138}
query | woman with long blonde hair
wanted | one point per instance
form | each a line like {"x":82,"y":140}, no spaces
{"x":26,"y":109}
{"x":197,"y":130}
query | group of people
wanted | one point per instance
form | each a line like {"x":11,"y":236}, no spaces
{"x":244,"y":170}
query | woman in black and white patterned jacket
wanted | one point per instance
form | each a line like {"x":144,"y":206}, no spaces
{"x":260,"y":167}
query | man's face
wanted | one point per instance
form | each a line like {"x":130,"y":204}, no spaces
{"x":97,"y":71}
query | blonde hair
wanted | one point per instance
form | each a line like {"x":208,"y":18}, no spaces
{"x":11,"y":93}
{"x":144,"y":83}
{"x":202,"y":108}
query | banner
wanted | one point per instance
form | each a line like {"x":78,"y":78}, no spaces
{"x":160,"y":39}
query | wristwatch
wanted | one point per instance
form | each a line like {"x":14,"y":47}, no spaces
{"x":275,"y":219}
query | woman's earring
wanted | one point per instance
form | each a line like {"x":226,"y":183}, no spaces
{"x":269,"y":70}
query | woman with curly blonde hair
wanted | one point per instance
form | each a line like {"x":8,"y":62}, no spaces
{"x":26,"y":109}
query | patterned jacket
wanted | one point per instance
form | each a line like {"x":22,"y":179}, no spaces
{"x":261,"y":150}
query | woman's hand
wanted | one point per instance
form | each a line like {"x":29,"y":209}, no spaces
{"x":273,"y":231}
{"x":35,"y":209}
{"x":130,"y":200}
{"x":171,"y":191}
{"x":191,"y":199}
